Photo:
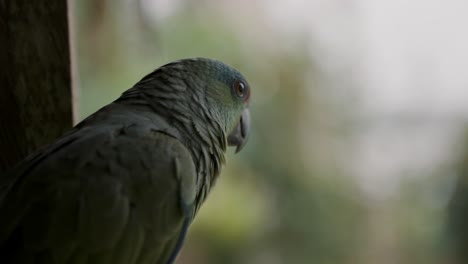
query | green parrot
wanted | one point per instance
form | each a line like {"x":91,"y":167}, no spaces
{"x":123,"y":186}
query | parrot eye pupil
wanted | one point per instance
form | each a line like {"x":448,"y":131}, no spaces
{"x":240,"y":89}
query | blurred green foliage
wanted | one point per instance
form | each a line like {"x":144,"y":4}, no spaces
{"x":457,"y":218}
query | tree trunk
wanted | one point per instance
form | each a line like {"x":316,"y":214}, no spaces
{"x":35,"y":79}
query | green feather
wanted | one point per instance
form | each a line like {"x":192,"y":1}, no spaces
{"x":124,"y":184}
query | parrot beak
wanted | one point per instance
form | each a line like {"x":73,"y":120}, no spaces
{"x":240,"y":134}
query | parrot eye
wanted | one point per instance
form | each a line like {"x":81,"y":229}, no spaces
{"x":240,"y":89}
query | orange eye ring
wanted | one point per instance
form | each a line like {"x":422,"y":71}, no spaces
{"x":240,"y":89}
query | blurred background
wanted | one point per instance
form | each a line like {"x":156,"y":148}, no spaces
{"x":359,"y":150}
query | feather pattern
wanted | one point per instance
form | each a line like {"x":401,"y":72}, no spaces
{"x":124,"y":185}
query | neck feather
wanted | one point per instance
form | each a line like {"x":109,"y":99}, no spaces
{"x":186,"y":110}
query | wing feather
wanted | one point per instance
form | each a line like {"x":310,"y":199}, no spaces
{"x":110,"y":195}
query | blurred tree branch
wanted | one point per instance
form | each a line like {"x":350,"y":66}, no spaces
{"x":35,"y":90}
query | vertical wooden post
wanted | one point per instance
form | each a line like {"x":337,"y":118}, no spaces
{"x":35,"y":79}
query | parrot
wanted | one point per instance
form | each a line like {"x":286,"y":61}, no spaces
{"x":124,"y":184}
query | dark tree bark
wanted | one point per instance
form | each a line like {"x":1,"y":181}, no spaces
{"x":35,"y":79}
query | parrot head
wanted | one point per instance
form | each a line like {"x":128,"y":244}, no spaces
{"x":202,"y":96}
